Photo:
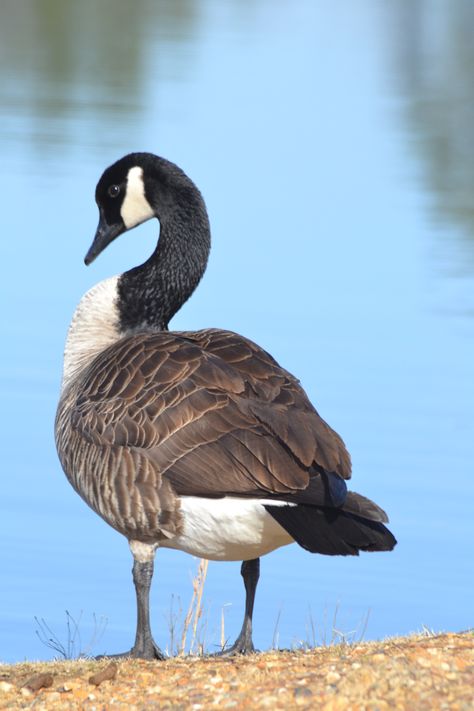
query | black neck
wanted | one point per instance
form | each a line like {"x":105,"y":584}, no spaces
{"x":152,"y":293}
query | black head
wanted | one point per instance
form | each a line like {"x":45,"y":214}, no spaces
{"x":132,"y":190}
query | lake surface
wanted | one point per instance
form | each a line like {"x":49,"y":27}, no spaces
{"x":333,"y":143}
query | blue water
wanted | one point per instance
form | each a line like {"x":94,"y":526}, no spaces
{"x":333,"y":145}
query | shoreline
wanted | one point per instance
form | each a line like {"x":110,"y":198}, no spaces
{"x":418,"y":671}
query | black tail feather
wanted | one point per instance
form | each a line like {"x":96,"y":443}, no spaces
{"x":332,"y":531}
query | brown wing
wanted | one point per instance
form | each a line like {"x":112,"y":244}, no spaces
{"x":279,"y":402}
{"x":212,"y":413}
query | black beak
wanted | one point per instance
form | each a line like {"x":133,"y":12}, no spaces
{"x":103,"y":237}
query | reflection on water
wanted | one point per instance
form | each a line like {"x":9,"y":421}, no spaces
{"x":301,"y":141}
{"x":434,"y":55}
{"x":64,"y":63}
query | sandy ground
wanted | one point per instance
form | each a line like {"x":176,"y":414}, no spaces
{"x":416,"y":673}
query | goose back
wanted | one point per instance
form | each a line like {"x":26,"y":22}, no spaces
{"x":157,"y":416}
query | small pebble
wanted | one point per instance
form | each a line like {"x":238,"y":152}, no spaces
{"x":39,"y":681}
{"x":107,"y":674}
{"x":423,"y":662}
{"x":52,"y":696}
{"x":69,"y":686}
{"x":154,"y":690}
{"x":302,"y":692}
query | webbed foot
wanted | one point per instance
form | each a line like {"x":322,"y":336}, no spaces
{"x":149,"y":650}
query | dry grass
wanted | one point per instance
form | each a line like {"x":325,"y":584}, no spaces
{"x":188,"y":631}
{"x":195,"y":613}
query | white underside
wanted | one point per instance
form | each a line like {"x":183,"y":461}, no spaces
{"x":228,"y":529}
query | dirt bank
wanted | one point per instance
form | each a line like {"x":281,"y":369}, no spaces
{"x":418,"y":672}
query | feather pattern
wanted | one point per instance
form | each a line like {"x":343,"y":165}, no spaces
{"x":160,"y":415}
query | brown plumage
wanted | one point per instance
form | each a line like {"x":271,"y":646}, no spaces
{"x":205,"y":413}
{"x":199,"y":440}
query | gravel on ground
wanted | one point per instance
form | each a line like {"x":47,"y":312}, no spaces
{"x":417,"y":672}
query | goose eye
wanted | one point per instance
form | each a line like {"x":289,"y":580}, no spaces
{"x":114,"y":190}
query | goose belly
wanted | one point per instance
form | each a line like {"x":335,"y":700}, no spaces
{"x":227,"y":529}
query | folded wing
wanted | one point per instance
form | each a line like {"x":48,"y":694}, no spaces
{"x":214,"y":415}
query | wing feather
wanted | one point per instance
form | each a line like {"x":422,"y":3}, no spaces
{"x":210,"y":411}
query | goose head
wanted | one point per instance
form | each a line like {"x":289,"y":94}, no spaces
{"x":135,"y":189}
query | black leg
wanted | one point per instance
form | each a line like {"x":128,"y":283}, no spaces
{"x":145,"y":646}
{"x":250,"y":572}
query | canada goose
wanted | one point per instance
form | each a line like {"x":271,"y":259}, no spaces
{"x":197,"y":441}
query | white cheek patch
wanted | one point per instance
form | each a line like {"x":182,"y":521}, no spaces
{"x":135,"y":207}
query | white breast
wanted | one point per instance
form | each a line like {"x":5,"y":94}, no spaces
{"x":228,"y":529}
{"x":93,"y":328}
